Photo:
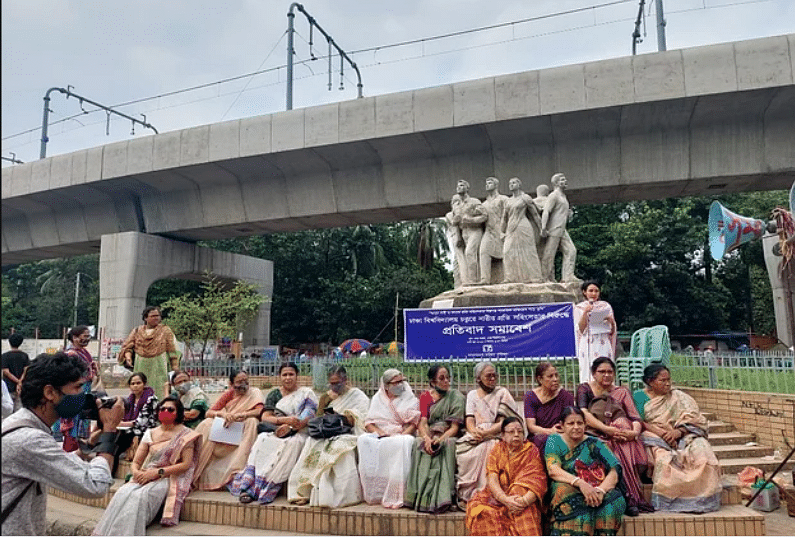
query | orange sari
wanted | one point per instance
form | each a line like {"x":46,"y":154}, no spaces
{"x":519,"y":473}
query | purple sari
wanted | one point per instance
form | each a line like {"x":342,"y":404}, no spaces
{"x":546,"y":414}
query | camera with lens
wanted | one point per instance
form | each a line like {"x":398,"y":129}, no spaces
{"x":90,"y":409}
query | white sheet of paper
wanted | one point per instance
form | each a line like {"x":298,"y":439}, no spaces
{"x":597,"y":321}
{"x":228,"y":435}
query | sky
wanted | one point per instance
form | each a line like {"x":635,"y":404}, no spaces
{"x":118,"y":53}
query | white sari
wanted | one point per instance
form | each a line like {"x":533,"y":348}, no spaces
{"x":594,"y":341}
{"x":384,"y":463}
{"x":326,"y":474}
{"x":272,"y":458}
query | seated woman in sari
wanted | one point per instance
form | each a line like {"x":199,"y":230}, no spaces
{"x":385,"y":449}
{"x":140,"y":414}
{"x":584,"y":473}
{"x":162,"y":471}
{"x":486,"y":407}
{"x":192,"y":397}
{"x":544,"y":404}
{"x":287,"y":411}
{"x":510,"y":505}
{"x":326,"y":474}
{"x":431,"y":486}
{"x":611,"y":415}
{"x":687,"y":476}
{"x":219,"y":462}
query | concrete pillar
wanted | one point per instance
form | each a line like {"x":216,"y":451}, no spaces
{"x":130,"y":262}
{"x":783,"y":286}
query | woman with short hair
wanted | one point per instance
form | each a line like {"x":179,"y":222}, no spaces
{"x":385,"y":449}
{"x":510,"y":505}
{"x":192,"y":397}
{"x":486,"y":407}
{"x":687,"y":474}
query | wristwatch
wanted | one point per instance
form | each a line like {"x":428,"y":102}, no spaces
{"x":161,"y":472}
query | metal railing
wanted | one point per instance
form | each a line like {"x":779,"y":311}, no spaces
{"x":772,"y":372}
{"x":762,"y":371}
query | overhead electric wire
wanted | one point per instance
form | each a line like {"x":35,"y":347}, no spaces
{"x":389,"y":46}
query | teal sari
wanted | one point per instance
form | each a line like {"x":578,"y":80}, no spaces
{"x":591,"y":461}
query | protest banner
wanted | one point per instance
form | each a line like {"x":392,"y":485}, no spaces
{"x":533,"y":331}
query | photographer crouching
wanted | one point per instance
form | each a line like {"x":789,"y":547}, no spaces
{"x":32,"y":460}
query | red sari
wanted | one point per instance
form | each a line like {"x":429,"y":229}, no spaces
{"x":519,"y":473}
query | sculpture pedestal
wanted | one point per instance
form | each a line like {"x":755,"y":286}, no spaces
{"x":507,"y":294}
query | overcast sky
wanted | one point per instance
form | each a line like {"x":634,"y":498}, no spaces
{"x":115,"y":52}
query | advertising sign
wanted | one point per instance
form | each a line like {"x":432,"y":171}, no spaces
{"x":541,"y":330}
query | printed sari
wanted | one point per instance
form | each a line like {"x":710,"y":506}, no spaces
{"x":519,"y":473}
{"x":687,"y":479}
{"x":272,"y":458}
{"x":153,"y":350}
{"x":219,"y":462}
{"x":76,"y":427}
{"x":134,"y":505}
{"x":431,"y":485}
{"x":591,"y":461}
{"x":594,"y":341}
{"x":326,"y":474}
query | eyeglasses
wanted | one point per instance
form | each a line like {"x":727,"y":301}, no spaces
{"x":164,"y":409}
{"x":490,"y":376}
{"x":395,"y":382}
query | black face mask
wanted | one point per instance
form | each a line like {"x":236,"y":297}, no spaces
{"x":487,"y":390}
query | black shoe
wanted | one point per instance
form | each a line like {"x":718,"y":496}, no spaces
{"x":632,"y":511}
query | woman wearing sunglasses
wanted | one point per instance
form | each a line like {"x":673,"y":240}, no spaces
{"x":162,"y":472}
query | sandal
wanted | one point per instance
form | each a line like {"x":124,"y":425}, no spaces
{"x":246,"y":498}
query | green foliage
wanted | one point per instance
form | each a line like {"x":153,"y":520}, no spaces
{"x":653,"y":260}
{"x":221,"y":310}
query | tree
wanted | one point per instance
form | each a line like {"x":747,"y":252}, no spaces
{"x":220,"y":311}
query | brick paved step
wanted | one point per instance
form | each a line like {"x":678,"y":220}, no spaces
{"x":735,"y":465}
{"x":720,"y":427}
{"x":730,"y":438}
{"x":727,"y":451}
{"x":218,"y":513}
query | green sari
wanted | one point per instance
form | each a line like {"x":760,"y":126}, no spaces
{"x":431,"y":484}
{"x":590,"y":460}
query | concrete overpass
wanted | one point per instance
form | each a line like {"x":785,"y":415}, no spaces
{"x":707,"y":120}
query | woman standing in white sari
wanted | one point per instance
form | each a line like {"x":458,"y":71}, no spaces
{"x":595,"y":329}
{"x":326,"y":474}
{"x":284,"y":418}
{"x":385,"y":450}
{"x":486,"y":407}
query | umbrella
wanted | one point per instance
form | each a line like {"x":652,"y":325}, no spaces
{"x":394,"y":348}
{"x":354,"y":345}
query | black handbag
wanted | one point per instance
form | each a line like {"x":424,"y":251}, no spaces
{"x":328,"y":426}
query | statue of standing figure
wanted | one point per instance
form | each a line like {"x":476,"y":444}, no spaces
{"x":464,"y":220}
{"x":554,"y":217}
{"x":510,"y":238}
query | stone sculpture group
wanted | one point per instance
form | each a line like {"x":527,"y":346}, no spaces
{"x":509,"y":239}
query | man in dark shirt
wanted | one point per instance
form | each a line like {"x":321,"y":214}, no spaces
{"x":14,"y":363}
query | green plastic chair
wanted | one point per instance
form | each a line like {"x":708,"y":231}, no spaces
{"x":647,"y":345}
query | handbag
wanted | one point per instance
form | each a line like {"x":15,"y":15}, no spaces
{"x":605,"y":409}
{"x":328,"y":426}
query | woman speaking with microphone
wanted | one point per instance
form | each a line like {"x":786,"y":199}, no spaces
{"x":596,"y":329}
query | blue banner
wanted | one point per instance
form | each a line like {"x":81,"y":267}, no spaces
{"x":472,"y":333}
